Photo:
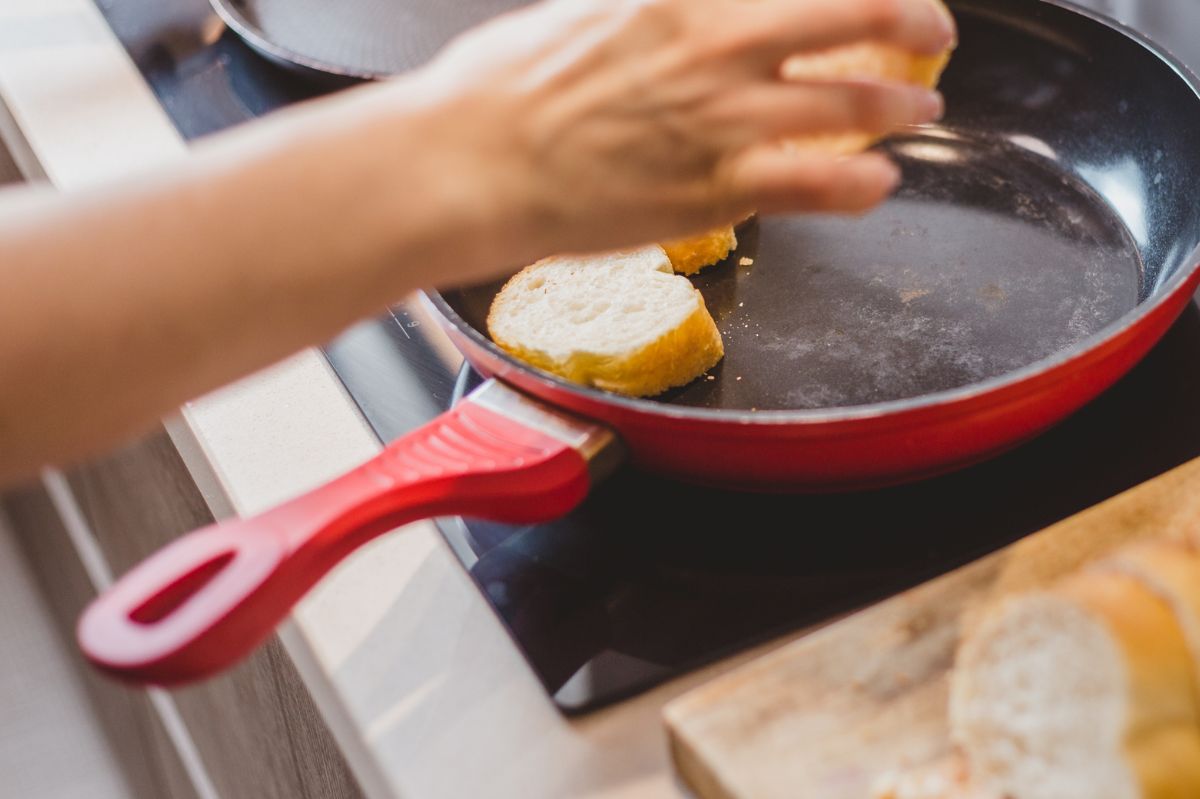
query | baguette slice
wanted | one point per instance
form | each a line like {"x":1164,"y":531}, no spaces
{"x":860,"y":62}
{"x":1083,"y":690}
{"x":1171,"y":570}
{"x":622,"y":322}
{"x":872,"y":61}
{"x":854,"y":62}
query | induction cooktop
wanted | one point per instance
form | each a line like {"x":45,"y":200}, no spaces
{"x":650,"y":578}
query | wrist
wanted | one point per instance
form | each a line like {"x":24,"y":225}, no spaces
{"x":448,"y":186}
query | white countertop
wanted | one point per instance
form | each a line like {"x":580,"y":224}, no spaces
{"x":419,"y":682}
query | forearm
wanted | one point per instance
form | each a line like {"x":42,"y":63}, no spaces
{"x":119,"y":305}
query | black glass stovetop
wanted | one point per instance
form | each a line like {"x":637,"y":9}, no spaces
{"x":650,"y":577}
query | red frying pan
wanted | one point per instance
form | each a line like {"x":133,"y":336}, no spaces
{"x":1043,"y":241}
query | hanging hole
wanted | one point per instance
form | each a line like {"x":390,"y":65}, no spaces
{"x":166,"y":601}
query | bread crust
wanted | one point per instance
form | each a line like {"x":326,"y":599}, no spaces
{"x":672,"y":360}
{"x":873,"y":61}
{"x":1171,"y":570}
{"x":680,"y":354}
{"x":689,"y":256}
{"x":1167,"y":762}
{"x":1158,"y":666}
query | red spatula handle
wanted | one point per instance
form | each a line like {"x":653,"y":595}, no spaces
{"x":207,"y":599}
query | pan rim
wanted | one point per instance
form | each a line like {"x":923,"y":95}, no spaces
{"x":824,"y":416}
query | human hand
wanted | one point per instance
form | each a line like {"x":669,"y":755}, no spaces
{"x":578,"y":125}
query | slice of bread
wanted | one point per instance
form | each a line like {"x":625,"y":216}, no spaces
{"x":855,"y":62}
{"x":1083,"y":690}
{"x":622,"y":322}
{"x":869,"y":61}
{"x":1171,"y":570}
{"x":860,"y":62}
{"x":689,"y":256}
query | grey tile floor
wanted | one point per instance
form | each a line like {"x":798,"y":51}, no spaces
{"x":51,"y":746}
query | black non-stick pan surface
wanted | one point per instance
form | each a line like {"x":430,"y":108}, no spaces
{"x":1057,"y":194}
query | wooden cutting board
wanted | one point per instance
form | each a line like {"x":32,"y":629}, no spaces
{"x":825,"y":716}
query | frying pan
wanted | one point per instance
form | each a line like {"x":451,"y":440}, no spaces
{"x":1044,"y":239}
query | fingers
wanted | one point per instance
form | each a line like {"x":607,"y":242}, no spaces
{"x":773,"y":111}
{"x":777,"y":180}
{"x":772,"y":30}
{"x":763,"y":34}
